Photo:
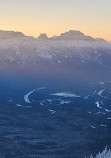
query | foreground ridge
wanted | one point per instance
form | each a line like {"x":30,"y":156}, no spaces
{"x":105,"y":154}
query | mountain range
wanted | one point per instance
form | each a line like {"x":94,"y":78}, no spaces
{"x":70,"y":54}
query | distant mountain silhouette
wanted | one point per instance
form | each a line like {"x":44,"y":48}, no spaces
{"x":43,"y":36}
{"x":74,"y":35}
{"x":69,"y":35}
{"x":70,"y":53}
{"x":10,"y":34}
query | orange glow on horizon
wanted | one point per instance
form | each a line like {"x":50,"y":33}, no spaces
{"x":56,"y":33}
{"x":33,"y":17}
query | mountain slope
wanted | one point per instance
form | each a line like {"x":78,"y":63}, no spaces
{"x":71,"y":53}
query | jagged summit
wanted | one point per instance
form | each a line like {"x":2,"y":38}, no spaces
{"x":69,"y":35}
{"x":72,"y":33}
{"x":77,"y":35}
{"x":10,"y":34}
{"x":43,"y":36}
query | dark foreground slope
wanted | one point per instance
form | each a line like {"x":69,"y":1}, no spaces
{"x":58,"y":126}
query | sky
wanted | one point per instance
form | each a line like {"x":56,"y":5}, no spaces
{"x":53,"y":17}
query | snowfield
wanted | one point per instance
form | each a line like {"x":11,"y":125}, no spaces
{"x":63,"y":94}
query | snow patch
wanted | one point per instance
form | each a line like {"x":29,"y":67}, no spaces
{"x":89,"y":112}
{"x":103,"y":125}
{"x":86,"y":97}
{"x":98,"y":105}
{"x":52,"y":111}
{"x":63,"y":94}
{"x":64,"y":102}
{"x":18,"y":105}
{"x":26,"y":97}
{"x":98,"y":113}
{"x":50,"y":101}
{"x":109,"y":118}
{"x":100,"y":92}
{"x":93,"y":127}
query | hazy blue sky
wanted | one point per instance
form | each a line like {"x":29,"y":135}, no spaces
{"x":92,"y":17}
